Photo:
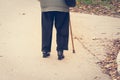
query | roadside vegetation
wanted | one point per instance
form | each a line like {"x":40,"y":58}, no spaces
{"x":99,"y":7}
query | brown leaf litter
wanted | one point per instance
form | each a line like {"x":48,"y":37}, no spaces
{"x":109,"y":65}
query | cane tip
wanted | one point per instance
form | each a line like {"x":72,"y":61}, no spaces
{"x":73,"y":51}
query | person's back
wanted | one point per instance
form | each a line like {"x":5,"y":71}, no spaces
{"x":54,"y":5}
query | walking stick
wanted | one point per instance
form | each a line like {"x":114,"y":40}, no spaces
{"x":72,"y":36}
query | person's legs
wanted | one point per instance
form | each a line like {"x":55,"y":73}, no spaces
{"x":47,"y":26}
{"x":62,"y":27}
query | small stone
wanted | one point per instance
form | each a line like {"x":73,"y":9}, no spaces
{"x":118,"y":62}
{"x":23,"y":13}
{"x":1,"y":56}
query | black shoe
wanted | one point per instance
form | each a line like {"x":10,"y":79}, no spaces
{"x":46,"y":54}
{"x":60,"y":55}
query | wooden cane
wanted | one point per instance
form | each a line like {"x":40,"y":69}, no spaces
{"x":71,"y":36}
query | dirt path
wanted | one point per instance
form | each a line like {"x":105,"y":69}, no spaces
{"x":20,"y":44}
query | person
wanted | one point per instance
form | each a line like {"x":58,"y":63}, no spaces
{"x":54,"y":12}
